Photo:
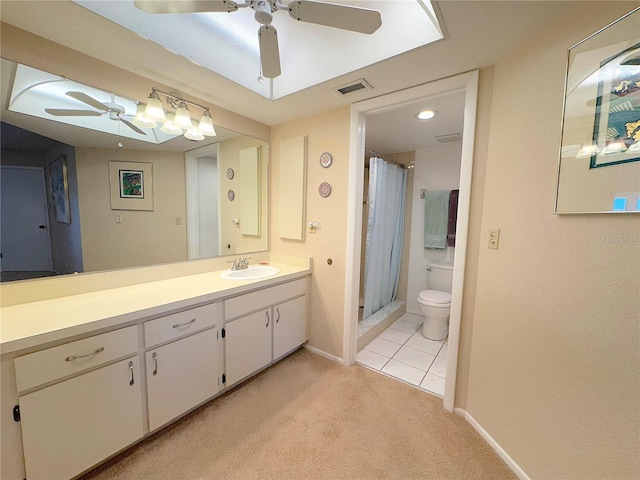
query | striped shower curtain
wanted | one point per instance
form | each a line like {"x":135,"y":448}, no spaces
{"x":387,"y":188}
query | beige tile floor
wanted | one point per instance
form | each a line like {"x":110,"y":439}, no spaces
{"x":403,"y":353}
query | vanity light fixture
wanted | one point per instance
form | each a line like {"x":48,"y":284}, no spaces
{"x":616,"y":146}
{"x":426,"y":114}
{"x":174,"y":123}
{"x":588,"y":150}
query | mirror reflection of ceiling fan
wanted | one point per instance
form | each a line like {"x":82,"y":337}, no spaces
{"x":355,"y":19}
{"x":116,"y":112}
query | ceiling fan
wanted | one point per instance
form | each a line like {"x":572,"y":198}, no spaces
{"x":115,"y":111}
{"x":355,"y":19}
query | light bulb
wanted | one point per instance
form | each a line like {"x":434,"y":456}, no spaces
{"x":182,"y":118}
{"x":206,"y":125}
{"x":140,"y":120}
{"x":193,"y":133}
{"x":588,"y":150}
{"x":154,"y":110}
{"x":616,"y":146}
{"x":169,"y":128}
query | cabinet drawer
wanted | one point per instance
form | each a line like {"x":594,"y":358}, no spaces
{"x":179,"y":324}
{"x":47,"y":365}
{"x":250,"y":302}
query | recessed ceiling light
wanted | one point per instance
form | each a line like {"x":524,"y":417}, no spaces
{"x":426,"y":114}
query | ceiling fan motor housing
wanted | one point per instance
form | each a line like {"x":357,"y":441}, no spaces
{"x":264,"y":10}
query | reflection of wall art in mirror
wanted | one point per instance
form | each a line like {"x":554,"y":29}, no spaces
{"x":230,"y":173}
{"x":231,"y":195}
{"x":59,"y":189}
{"x":601,"y":123}
{"x":326,"y":159}
{"x":324,"y":189}
{"x":131,"y":185}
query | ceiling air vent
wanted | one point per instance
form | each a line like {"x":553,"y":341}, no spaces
{"x":451,"y":138}
{"x":351,"y":87}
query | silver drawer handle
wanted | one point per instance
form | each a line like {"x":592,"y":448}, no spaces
{"x":278,"y":312}
{"x":71,"y":358}
{"x":131,"y":382}
{"x":178,"y":325}
{"x":155,"y":363}
{"x":268,"y":319}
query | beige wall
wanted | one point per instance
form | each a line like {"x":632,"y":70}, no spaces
{"x":554,"y":367}
{"x":143,"y":237}
{"x":327,"y":132}
{"x":231,"y":238}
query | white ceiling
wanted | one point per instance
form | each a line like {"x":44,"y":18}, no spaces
{"x":227,"y":43}
{"x":477,"y":34}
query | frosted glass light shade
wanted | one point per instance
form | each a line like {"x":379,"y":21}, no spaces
{"x":206,"y":125}
{"x":194,"y":133}
{"x":617,"y":146}
{"x":140,"y":120}
{"x":588,"y":150}
{"x":154,"y":110}
{"x":168,"y":126}
{"x":182,"y":118}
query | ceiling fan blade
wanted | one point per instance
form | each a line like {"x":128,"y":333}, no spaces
{"x":84,"y":98}
{"x":131,"y":126}
{"x":269,"y":52}
{"x":60,"y":112}
{"x":185,"y":6}
{"x":355,"y":19}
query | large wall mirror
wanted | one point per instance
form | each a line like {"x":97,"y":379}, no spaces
{"x":83,"y":198}
{"x":599,"y":169}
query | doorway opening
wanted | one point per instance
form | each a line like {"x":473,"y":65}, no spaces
{"x":467,"y":83}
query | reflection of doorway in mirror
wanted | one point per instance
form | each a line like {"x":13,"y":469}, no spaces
{"x":203,"y":221}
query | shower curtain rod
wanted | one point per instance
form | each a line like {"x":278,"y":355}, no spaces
{"x":385,"y":157}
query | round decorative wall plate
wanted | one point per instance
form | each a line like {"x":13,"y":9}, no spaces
{"x":326,"y":159}
{"x":230,"y":173}
{"x":324,"y":189}
{"x":231,"y":195}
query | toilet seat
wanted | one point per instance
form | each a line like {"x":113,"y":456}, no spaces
{"x":435,"y":298}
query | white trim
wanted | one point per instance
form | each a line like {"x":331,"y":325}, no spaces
{"x":498,"y":449}
{"x":467,"y":82}
{"x":324,"y":354}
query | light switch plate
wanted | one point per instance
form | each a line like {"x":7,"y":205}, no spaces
{"x":494,"y":238}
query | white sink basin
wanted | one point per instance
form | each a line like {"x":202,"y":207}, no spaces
{"x":251,"y":273}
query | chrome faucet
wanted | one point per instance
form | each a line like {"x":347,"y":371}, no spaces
{"x":240,"y":264}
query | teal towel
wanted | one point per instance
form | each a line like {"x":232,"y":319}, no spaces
{"x":436,"y":216}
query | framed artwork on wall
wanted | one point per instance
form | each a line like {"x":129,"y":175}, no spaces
{"x":599,"y":165}
{"x":58,"y":179}
{"x":131,"y":185}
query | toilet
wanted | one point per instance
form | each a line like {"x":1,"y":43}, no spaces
{"x":435,"y":304}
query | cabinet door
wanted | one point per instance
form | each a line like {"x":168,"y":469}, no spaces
{"x":290,"y":326}
{"x":71,"y":426}
{"x":247,"y":345}
{"x":181,"y":375}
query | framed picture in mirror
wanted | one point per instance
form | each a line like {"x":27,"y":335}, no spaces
{"x":131,"y":185}
{"x":599,"y":166}
{"x":59,"y":189}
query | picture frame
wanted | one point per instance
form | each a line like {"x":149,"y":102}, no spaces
{"x":131,"y":185}
{"x":599,"y":162}
{"x":59,"y":185}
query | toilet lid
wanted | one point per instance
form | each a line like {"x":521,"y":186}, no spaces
{"x":434,"y":296}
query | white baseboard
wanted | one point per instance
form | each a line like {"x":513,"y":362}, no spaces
{"x":489,"y":439}
{"x":324,"y":354}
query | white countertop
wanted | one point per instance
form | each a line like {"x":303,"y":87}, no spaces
{"x":36,"y":323}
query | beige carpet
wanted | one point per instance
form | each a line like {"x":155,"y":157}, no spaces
{"x":309,"y":418}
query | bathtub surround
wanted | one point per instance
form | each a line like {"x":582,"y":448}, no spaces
{"x":309,"y":418}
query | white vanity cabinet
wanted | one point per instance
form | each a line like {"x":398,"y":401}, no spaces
{"x":185,"y":372}
{"x":69,"y":426}
{"x":263,"y":326}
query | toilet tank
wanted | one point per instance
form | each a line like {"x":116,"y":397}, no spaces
{"x":440,"y":276}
